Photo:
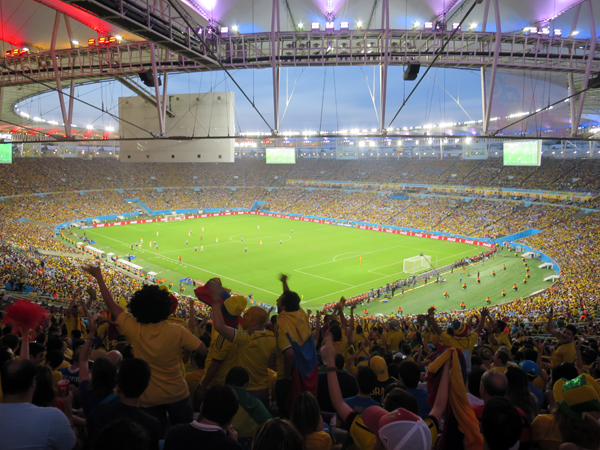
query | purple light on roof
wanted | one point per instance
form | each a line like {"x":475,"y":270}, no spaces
{"x":329,"y":11}
{"x":196,"y":7}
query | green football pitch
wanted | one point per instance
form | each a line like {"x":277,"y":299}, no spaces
{"x":322,"y":261}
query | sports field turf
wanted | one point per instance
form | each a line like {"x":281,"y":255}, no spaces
{"x":322,"y":261}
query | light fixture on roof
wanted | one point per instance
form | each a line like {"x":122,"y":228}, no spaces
{"x":315,"y":26}
{"x":224,"y":30}
{"x":75,"y":42}
{"x":329,"y":26}
{"x":455,"y":25}
{"x":428,"y":26}
{"x":575,"y":33}
{"x":300,"y":25}
{"x":557,"y":32}
{"x":416,"y":25}
{"x":344,"y":25}
{"x":473,"y":26}
{"x":119,"y":37}
{"x":359,"y":24}
{"x":234,"y":28}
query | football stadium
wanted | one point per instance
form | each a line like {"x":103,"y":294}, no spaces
{"x":275,"y":224}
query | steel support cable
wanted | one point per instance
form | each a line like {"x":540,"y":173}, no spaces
{"x":185,"y":19}
{"x":75,"y":98}
{"x":544,"y":109}
{"x":438,"y":54}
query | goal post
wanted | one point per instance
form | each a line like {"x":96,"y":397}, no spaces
{"x":416,"y":264}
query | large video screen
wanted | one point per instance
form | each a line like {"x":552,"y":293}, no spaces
{"x":281,"y":156}
{"x":523,"y":153}
{"x":5,"y":153}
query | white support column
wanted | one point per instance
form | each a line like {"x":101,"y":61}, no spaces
{"x":572,"y":100}
{"x":71,"y":101}
{"x":490,"y":96}
{"x":383,"y":69}
{"x":483,"y":94}
{"x":588,"y":70}
{"x":575,"y":19}
{"x":159,"y":109}
{"x":485,"y":16}
{"x":275,"y":26}
{"x":61,"y":98}
{"x":163,"y":103}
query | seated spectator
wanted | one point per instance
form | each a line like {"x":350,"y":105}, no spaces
{"x":277,"y":434}
{"x":23,"y":425}
{"x":575,"y":419}
{"x":367,"y":380}
{"x":251,"y":412}
{"x":473,"y":384}
{"x":214,"y":431}
{"x":100,"y":389}
{"x":501,"y":424}
{"x":132,"y":381}
{"x":306,"y":417}
{"x":36,"y":353}
{"x":123,"y":434}
{"x":517,"y":392}
{"x":410,"y":374}
{"x":45,"y":393}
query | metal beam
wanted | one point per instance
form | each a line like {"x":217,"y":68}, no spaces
{"x":449,"y":7}
{"x":575,"y":19}
{"x":275,"y":28}
{"x":288,"y":9}
{"x":133,"y":86}
{"x":588,"y":70}
{"x":159,"y":107}
{"x":486,"y":13}
{"x":383,"y":69}
{"x":490,"y":96}
{"x":457,"y":9}
{"x":61,"y":98}
{"x":373,"y":13}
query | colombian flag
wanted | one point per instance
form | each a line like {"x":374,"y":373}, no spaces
{"x":305,"y":372}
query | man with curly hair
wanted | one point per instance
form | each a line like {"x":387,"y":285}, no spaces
{"x":159,"y":343}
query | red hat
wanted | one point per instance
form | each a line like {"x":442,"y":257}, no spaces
{"x":399,"y":429}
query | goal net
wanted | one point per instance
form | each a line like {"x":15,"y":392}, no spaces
{"x":416,"y":264}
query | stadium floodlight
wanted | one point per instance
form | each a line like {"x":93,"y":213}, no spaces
{"x":300,"y":25}
{"x":75,"y":42}
{"x":329,"y":26}
{"x":224,"y":30}
{"x":428,"y":26}
{"x":359,"y":24}
{"x":575,"y":33}
{"x":455,"y":25}
{"x":416,"y":264}
{"x":473,"y":26}
{"x":416,"y":25}
{"x":344,"y":25}
{"x":234,"y":28}
{"x":315,"y":26}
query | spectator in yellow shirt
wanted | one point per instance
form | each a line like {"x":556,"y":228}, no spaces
{"x":565,"y":350}
{"x":498,"y":336}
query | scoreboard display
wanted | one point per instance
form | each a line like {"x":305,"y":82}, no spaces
{"x":281,"y":156}
{"x":523,"y":153}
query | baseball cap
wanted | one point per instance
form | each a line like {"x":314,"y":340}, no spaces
{"x":399,"y":429}
{"x":378,"y":364}
{"x":530,"y":368}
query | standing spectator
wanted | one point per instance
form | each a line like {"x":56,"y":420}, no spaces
{"x":159,"y":343}
{"x":306,"y":417}
{"x":409,"y":374}
{"x":347,"y":385}
{"x":26,"y":426}
{"x":501,"y":424}
{"x":517,"y":392}
{"x":367,"y":380}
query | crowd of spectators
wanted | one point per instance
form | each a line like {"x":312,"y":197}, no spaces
{"x":151,"y":372}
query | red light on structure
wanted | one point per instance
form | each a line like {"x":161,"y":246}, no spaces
{"x":102,"y":40}
{"x":23,"y":52}
{"x":112,"y":39}
{"x":91,"y":41}
{"x":7,"y":53}
{"x":15,"y":51}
